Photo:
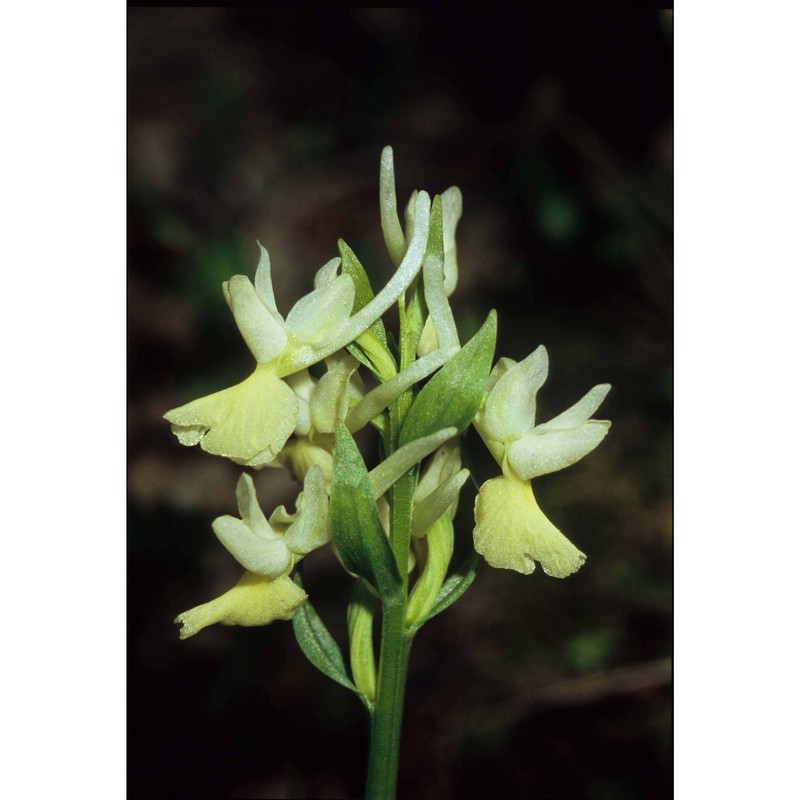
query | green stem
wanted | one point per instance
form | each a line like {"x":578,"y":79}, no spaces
{"x":387,"y":718}
{"x":384,"y":749}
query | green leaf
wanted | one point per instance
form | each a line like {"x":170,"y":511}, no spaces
{"x":453,"y":396}
{"x":356,"y":528}
{"x":316,"y":642}
{"x":454,"y":586}
{"x":352,"y":266}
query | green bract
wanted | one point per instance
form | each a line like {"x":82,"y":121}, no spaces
{"x":355,"y":523}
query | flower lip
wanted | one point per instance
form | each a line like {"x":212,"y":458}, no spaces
{"x":512,"y":532}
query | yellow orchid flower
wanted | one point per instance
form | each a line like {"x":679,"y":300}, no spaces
{"x":250,"y":422}
{"x":268,"y":550}
{"x":511,"y":531}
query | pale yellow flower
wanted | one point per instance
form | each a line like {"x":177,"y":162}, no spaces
{"x":250,"y":422}
{"x":511,"y":531}
{"x":268,"y":550}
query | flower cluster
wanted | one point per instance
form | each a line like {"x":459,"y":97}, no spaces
{"x":281,"y":416}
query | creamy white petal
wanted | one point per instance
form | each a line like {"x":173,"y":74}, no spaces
{"x":327,"y":272}
{"x":303,"y":386}
{"x":443,"y":464}
{"x":579,"y":413}
{"x":249,"y":509}
{"x":452,"y":205}
{"x":311,"y":529}
{"x":512,"y":532}
{"x":439,"y":309}
{"x":539,"y":454}
{"x":502,"y":366}
{"x":264,"y":335}
{"x":443,"y":500}
{"x":410,"y":214}
{"x":511,"y":405}
{"x":267,"y":557}
{"x":387,"y":199}
{"x":320,"y":315}
{"x":264,"y":281}
{"x":427,"y":341}
{"x":329,"y":403}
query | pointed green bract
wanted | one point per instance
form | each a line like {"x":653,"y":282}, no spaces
{"x":352,"y":266}
{"x":318,"y":645}
{"x":454,"y":587}
{"x":355,"y":523}
{"x":453,"y":396}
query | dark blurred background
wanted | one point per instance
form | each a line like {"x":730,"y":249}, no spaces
{"x":267,"y":124}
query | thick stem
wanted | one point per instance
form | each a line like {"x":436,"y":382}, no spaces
{"x":384,"y":749}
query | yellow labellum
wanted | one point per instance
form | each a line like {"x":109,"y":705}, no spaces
{"x":254,"y":600}
{"x":512,"y":532}
{"x":248,"y":423}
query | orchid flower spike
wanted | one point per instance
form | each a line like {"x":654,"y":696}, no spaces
{"x":250,"y":422}
{"x":511,"y":531}
{"x":268,"y":550}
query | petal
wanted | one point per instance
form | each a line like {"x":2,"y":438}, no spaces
{"x":253,"y":601}
{"x":329,"y":403}
{"x":264,"y":282}
{"x":510,"y":408}
{"x":264,"y":335}
{"x":390,"y":222}
{"x":303,"y":386}
{"x":511,"y":532}
{"x":441,"y":315}
{"x":311,"y":529}
{"x":427,"y":341}
{"x":301,"y":454}
{"x":327,"y":272}
{"x":444,"y":463}
{"x":579,"y":413}
{"x":321,"y":314}
{"x":502,"y":366}
{"x":249,"y":509}
{"x":451,"y":213}
{"x":410,"y":214}
{"x":267,"y":557}
{"x":542,"y":453}
{"x":443,"y":501}
{"x":248,"y":423}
